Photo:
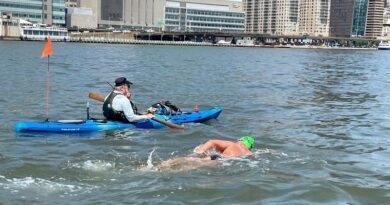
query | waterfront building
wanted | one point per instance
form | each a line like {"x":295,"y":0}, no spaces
{"x":36,"y":11}
{"x":80,"y":17}
{"x":126,"y":14}
{"x":204,"y":16}
{"x":10,"y":27}
{"x":276,"y":17}
{"x":356,"y":18}
{"x":169,"y":15}
{"x":314,"y":17}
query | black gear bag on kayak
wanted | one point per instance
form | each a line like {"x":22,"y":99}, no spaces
{"x":166,"y":108}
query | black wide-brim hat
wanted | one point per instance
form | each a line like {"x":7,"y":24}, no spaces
{"x":122,"y":81}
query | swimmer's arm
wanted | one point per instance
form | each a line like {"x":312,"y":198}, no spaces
{"x":219,"y":145}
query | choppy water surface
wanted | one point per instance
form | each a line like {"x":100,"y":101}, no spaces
{"x":321,"y":119}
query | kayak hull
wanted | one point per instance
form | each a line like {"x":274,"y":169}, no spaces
{"x":79,"y":126}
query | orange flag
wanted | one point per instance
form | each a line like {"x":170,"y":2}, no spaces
{"x":47,"y":50}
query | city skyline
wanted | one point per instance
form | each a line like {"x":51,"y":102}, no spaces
{"x":344,"y":18}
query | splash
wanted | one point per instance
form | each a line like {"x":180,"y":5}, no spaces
{"x":150,"y":162}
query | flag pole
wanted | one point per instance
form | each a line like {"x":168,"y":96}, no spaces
{"x":47,"y":52}
{"x":47,"y":87}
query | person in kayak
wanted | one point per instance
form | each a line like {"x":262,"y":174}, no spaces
{"x":208,"y":154}
{"x":117,"y":105}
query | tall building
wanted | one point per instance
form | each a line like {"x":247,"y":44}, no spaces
{"x":252,"y":12}
{"x":386,"y":23}
{"x":374,"y":22}
{"x":36,"y":11}
{"x":314,"y":17}
{"x":276,"y":17}
{"x":356,"y":18}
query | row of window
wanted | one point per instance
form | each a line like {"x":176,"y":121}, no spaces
{"x":44,"y":33}
{"x":58,"y":17}
{"x":216,"y":25}
{"x":216,"y":20}
{"x":172,"y":10}
{"x":208,"y":13}
{"x":192,"y":18}
{"x":173,"y":23}
{"x":175,"y":28}
{"x":35,"y":7}
{"x":216,"y":13}
{"x":222,"y":21}
{"x":26,"y":15}
{"x":61,"y":9}
{"x":22,"y":6}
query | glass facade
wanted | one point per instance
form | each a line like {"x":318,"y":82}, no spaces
{"x":32,"y":10}
{"x":359,"y":18}
{"x":199,"y":20}
{"x":59,"y":12}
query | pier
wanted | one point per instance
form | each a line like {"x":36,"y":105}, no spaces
{"x":222,"y":40}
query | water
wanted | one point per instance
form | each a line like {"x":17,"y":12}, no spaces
{"x":321,"y":120}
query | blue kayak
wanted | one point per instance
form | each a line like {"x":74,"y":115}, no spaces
{"x":78,"y":126}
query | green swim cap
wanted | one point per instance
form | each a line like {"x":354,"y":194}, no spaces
{"x":248,"y":141}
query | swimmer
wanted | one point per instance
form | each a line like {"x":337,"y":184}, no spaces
{"x":205,"y":155}
{"x":225,"y":148}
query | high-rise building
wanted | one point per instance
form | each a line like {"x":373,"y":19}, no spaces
{"x":356,"y":18}
{"x":341,"y":16}
{"x":386,"y":23}
{"x":277,"y":17}
{"x":252,"y":12}
{"x":36,"y":11}
{"x":314,"y":17}
{"x":374,"y":22}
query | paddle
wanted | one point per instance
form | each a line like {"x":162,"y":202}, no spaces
{"x":100,"y":98}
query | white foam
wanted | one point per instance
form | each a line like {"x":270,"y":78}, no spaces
{"x":97,"y":165}
{"x":43,"y":186}
{"x":270,"y":151}
{"x":94,"y":165}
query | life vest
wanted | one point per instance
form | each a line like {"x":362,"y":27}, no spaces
{"x":111,"y":114}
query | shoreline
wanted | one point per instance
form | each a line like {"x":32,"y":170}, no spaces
{"x":191,"y":43}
